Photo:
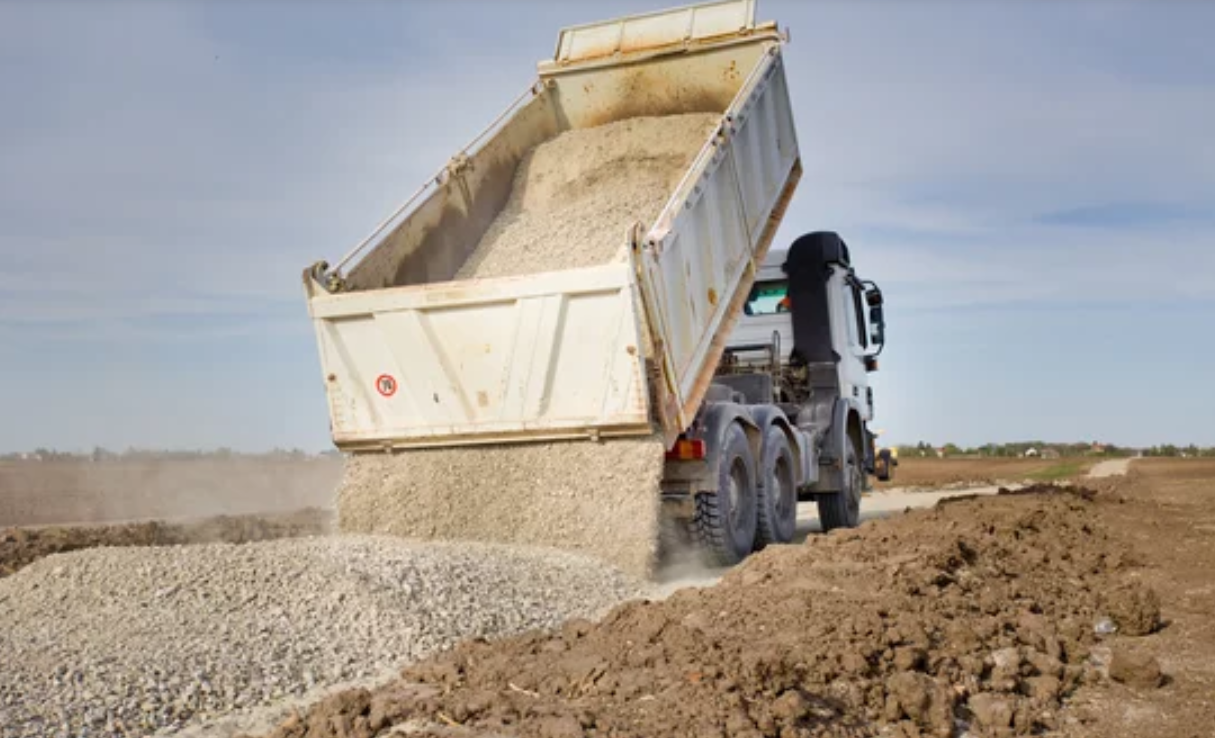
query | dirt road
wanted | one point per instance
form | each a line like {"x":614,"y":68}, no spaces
{"x":883,"y":502}
{"x":1110,"y":468}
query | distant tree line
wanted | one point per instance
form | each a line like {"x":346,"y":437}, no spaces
{"x":1020,"y":449}
{"x":1170,"y":450}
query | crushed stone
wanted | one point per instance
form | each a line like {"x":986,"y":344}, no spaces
{"x":575,"y":196}
{"x":128,"y":641}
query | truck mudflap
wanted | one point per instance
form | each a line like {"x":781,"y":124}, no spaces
{"x":845,"y":419}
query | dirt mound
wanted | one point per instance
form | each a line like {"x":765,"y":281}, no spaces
{"x":977,"y":615}
{"x":20,"y":547}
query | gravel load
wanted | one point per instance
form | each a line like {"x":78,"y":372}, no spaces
{"x":126,"y":641}
{"x":574,"y":197}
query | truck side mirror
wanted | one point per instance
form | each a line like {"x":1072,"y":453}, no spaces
{"x":877,"y":323}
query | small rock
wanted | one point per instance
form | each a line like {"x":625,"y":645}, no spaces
{"x":1043,"y":688}
{"x":1136,"y":609}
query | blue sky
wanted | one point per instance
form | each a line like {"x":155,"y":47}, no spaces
{"x":1032,"y":183}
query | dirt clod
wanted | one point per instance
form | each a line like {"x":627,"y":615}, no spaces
{"x":1135,"y":609}
{"x":1135,"y":669}
{"x":992,"y":711}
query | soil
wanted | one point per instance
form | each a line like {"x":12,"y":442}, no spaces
{"x":20,"y":547}
{"x":978,"y":614}
{"x":1167,"y":519}
{"x":933,"y":473}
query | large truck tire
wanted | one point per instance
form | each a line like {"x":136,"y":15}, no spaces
{"x":724,"y":522}
{"x":776,"y":514}
{"x":843,"y":509}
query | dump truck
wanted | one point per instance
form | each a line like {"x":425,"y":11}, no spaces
{"x":690,"y":381}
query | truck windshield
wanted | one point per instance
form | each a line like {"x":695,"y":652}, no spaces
{"x":768,"y":298}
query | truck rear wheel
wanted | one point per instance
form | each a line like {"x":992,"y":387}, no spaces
{"x":884,"y":471}
{"x":777,"y":511}
{"x":724,"y":523}
{"x":843,"y":509}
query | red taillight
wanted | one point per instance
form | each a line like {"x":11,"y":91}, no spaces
{"x":687,"y":449}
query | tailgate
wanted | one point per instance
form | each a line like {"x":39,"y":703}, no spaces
{"x":546,"y":356}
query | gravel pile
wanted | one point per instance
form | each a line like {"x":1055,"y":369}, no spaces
{"x":125,"y":641}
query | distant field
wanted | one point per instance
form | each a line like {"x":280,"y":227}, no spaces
{"x":1175,"y":471}
{"x":928,"y":472}
{"x":45,"y":493}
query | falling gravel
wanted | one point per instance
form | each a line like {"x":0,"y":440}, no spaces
{"x":595,"y":498}
{"x":126,"y":641}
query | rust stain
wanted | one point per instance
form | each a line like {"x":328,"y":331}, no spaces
{"x":632,"y":350}
{"x":712,"y":297}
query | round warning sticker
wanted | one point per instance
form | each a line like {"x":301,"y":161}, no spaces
{"x":386,"y":385}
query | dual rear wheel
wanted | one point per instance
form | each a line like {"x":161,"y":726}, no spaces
{"x":756,"y":504}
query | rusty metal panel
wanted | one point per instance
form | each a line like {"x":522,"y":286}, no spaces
{"x":548,"y":356}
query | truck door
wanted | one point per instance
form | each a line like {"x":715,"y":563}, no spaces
{"x":852,"y":338}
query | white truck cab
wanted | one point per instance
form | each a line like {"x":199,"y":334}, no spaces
{"x":794,"y":379}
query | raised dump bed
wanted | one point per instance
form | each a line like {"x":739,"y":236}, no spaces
{"x":571,"y":274}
